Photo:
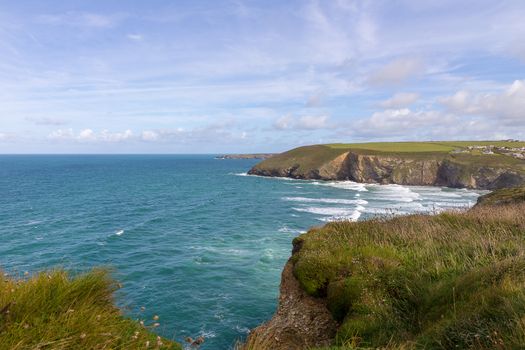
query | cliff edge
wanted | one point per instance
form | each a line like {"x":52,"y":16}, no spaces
{"x":422,"y":164}
{"x":301,"y":321}
{"x":448,"y":281}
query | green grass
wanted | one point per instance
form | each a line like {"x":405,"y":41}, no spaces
{"x":418,"y":147}
{"x":503,"y":196}
{"x":453,"y":280}
{"x":396,"y":147}
{"x":51,"y":310}
{"x":307,"y":158}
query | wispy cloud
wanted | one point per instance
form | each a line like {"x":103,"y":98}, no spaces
{"x":46,"y":121}
{"x":81,"y":19}
{"x":173,"y":73}
{"x":396,"y":72}
{"x":88,"y":135}
{"x":401,"y":99}
{"x":507,"y":106}
{"x":307,"y":122}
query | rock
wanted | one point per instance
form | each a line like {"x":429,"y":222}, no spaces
{"x":301,"y":321}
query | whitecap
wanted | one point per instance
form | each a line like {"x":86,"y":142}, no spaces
{"x":346,"y":185}
{"x":325,"y":200}
{"x":286,"y":229}
{"x":119,"y":232}
{"x":354,"y":216}
{"x":396,"y":193}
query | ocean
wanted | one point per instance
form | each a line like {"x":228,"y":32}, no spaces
{"x":191,"y":238}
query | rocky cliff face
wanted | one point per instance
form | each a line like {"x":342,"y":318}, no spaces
{"x":384,"y":169}
{"x":301,"y":321}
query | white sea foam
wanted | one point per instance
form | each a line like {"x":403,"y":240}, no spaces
{"x":354,"y":216}
{"x":286,"y":229}
{"x":346,"y":185}
{"x":328,"y":211}
{"x":396,"y":193}
{"x":325,"y":200}
{"x":119,"y":232}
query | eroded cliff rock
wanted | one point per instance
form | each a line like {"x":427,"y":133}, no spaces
{"x":301,"y":321}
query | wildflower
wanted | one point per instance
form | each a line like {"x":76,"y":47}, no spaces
{"x":83,"y":335}
{"x":147,"y":343}
{"x":141,"y":323}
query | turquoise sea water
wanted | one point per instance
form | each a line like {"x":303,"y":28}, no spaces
{"x":192,"y":239}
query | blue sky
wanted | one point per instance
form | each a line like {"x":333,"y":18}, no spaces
{"x":111,"y":76}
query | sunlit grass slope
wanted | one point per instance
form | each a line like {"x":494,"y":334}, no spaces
{"x":504,"y":196}
{"x":431,"y":146}
{"x":453,"y":280}
{"x":54,"y":311}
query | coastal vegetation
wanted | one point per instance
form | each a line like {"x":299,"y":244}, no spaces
{"x":445,"y":281}
{"x":52,"y":310}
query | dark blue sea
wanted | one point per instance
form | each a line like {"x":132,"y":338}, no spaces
{"x":191,"y":238}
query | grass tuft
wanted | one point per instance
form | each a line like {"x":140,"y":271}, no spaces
{"x":51,"y":310}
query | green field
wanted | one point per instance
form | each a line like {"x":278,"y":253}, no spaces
{"x":415,"y":147}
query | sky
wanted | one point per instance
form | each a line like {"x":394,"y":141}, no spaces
{"x":222,"y":76}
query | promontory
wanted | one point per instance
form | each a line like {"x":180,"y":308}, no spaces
{"x":459,"y":164}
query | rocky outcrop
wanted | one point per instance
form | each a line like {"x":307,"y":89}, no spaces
{"x":246,"y":156}
{"x":503,"y":196}
{"x":420,"y":170}
{"x":301,"y":321}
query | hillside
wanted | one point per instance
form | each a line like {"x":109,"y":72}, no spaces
{"x":54,"y":311}
{"x":476,"y":164}
{"x":453,"y":280}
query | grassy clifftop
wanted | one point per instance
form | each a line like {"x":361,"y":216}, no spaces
{"x":454,"y":280}
{"x":476,"y":164}
{"x":504,"y":196}
{"x":55,"y":311}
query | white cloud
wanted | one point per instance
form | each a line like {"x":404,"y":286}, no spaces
{"x":308,"y":122}
{"x":135,"y":37}
{"x":107,"y":136}
{"x":81,"y":19}
{"x":399,"y":100}
{"x":399,"y":122}
{"x":396,"y":72}
{"x":46,"y":121}
{"x":62,"y":134}
{"x":149,"y":135}
{"x":507,"y":105}
{"x":88,"y":135}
